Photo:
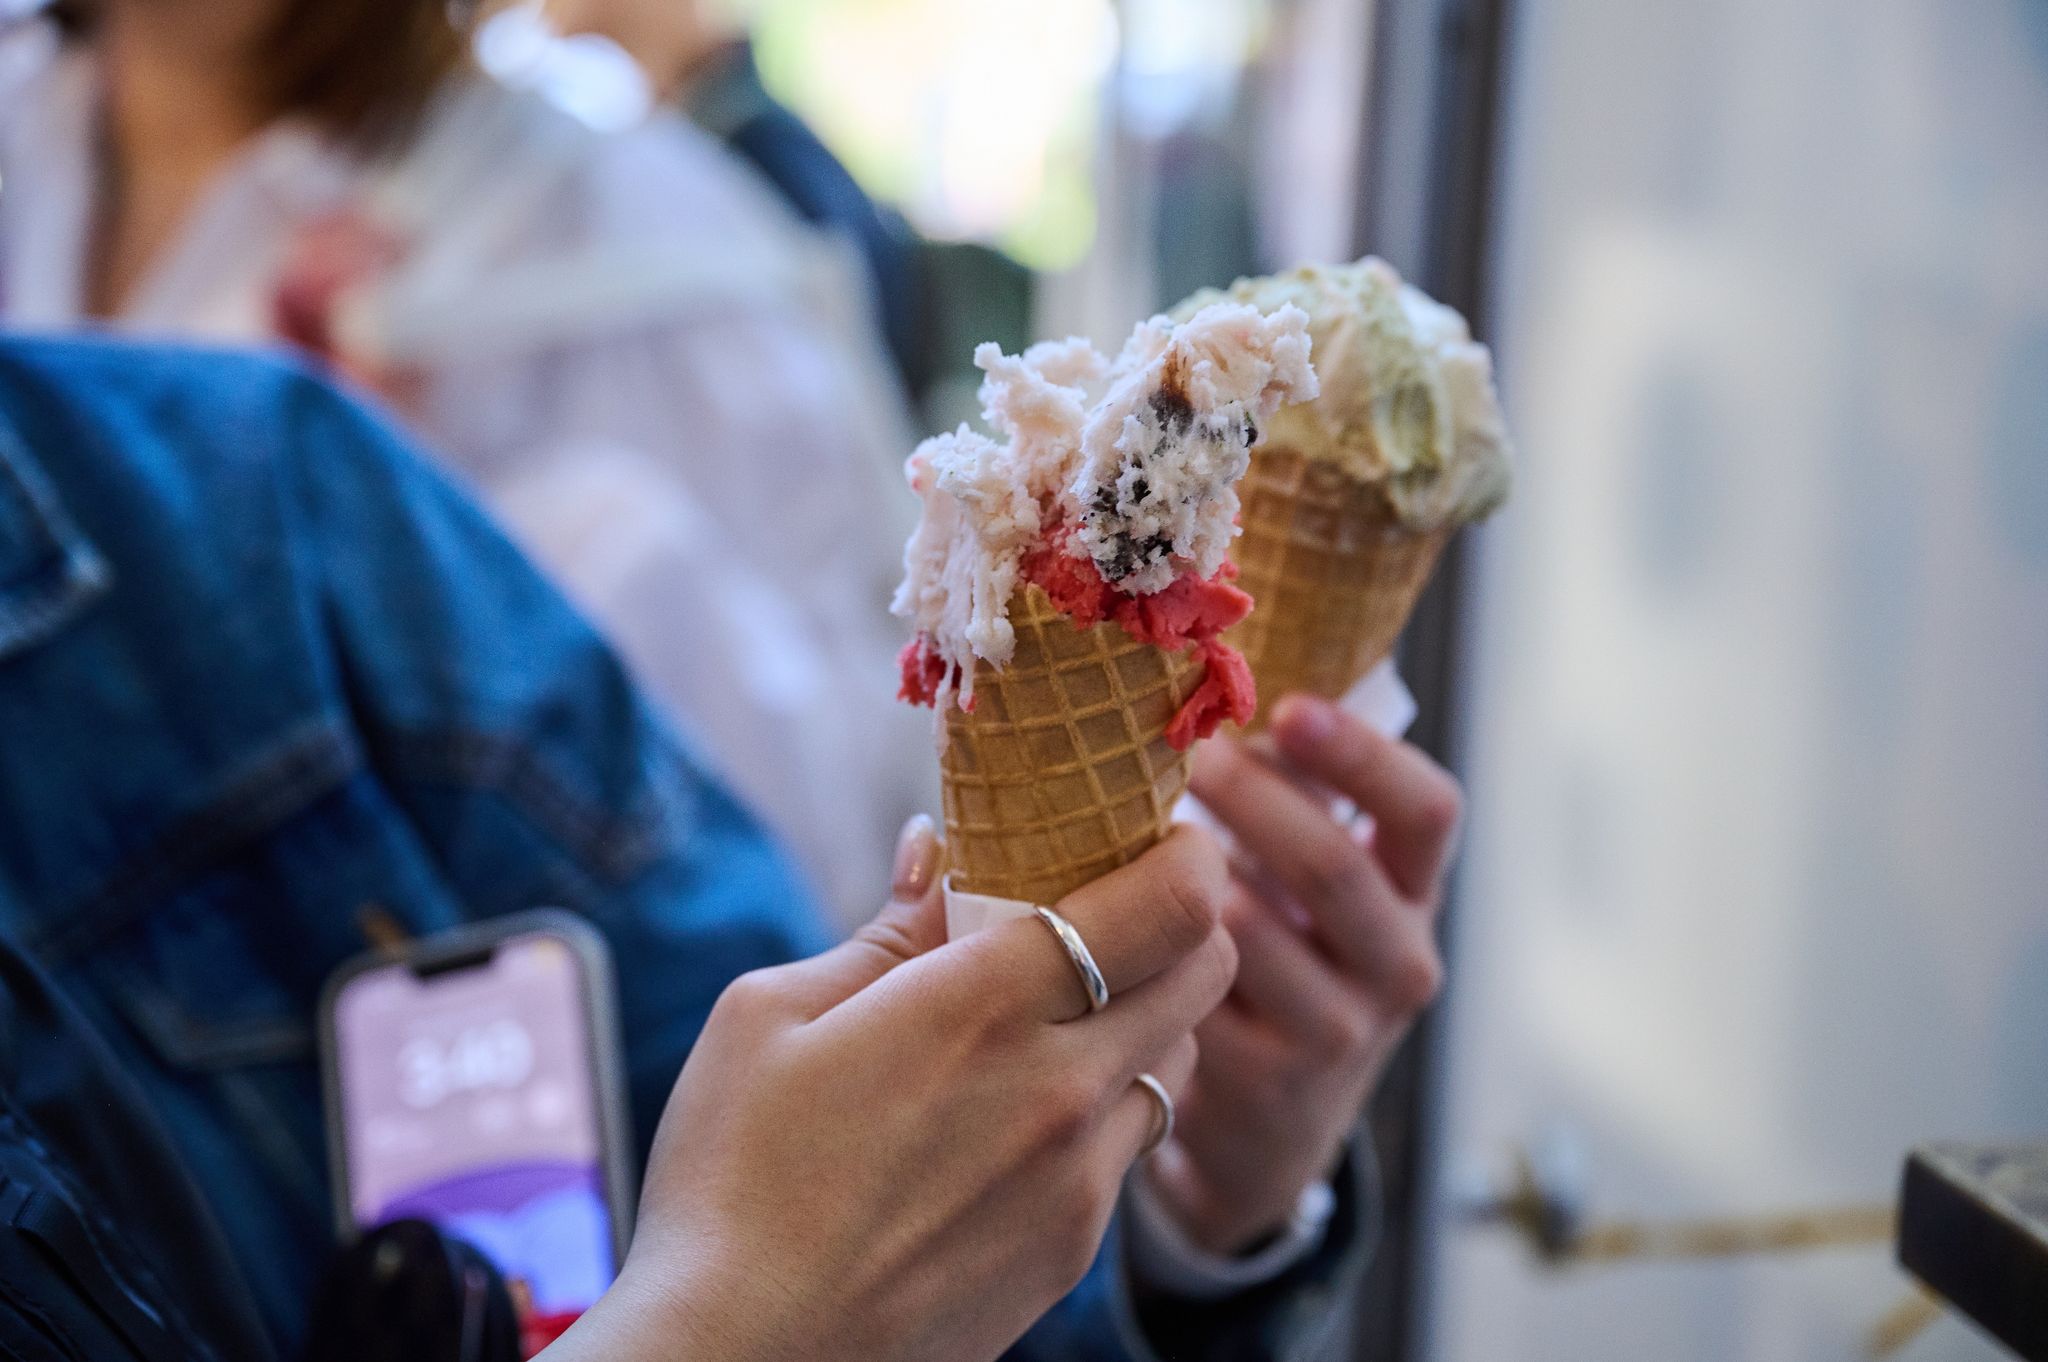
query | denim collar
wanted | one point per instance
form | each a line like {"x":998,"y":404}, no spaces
{"x":49,"y":570}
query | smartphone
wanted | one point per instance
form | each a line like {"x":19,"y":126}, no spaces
{"x":473,"y":1081}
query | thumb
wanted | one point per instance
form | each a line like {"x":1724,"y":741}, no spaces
{"x":914,"y":919}
{"x":913,"y":922}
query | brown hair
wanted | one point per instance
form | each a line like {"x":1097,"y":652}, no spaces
{"x":362,"y":70}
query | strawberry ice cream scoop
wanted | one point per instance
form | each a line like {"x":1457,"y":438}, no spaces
{"x":1113,"y":490}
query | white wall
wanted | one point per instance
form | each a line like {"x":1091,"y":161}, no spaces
{"x":1757,"y":888}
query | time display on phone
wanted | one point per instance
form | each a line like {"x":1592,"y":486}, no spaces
{"x":470,"y":1099}
{"x":496,"y":1055}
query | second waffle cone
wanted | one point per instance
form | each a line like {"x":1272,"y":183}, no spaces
{"x":1062,"y":772}
{"x":1333,"y":576}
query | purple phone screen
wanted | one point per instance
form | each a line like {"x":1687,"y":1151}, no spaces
{"x":469,"y":1100}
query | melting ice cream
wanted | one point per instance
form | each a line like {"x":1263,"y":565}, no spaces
{"x":1111,"y":487}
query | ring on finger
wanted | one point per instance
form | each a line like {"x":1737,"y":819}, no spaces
{"x":1162,"y":1128}
{"x":1092,"y":982}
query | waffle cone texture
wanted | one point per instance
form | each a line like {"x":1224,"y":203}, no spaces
{"x":1062,"y":772}
{"x":1332,"y":574}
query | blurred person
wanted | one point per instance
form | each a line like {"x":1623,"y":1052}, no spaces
{"x":664,"y":386}
{"x":264,"y":677}
{"x":705,"y":64}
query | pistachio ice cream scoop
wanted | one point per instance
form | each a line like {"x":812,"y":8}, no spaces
{"x":1353,"y":494}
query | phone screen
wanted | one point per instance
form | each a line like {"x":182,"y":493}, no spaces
{"x":470,"y":1099}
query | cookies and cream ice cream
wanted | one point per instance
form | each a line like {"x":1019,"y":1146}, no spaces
{"x":1110,"y":486}
{"x":1407,"y":401}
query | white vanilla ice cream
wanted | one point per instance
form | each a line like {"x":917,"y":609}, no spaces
{"x":1130,"y":465}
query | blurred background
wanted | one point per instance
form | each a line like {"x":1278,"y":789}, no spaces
{"x":1750,"y":685}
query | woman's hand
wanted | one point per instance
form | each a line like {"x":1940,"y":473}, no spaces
{"x":894,"y":1151}
{"x":1335,"y":931}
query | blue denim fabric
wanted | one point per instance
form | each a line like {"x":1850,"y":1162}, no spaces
{"x":261,"y":669}
{"x":88,"y":1180}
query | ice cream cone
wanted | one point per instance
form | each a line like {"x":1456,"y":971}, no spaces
{"x":1333,"y":574}
{"x":1062,"y":772}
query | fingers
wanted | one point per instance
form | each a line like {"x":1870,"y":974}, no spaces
{"x":1138,"y":922}
{"x":1282,"y":981}
{"x":1356,"y":913}
{"x":913,"y":922}
{"x":1415,"y":803}
{"x":1135,"y":1119}
{"x":1150,"y":1019}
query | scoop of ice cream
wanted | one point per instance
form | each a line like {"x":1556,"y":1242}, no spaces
{"x":1163,"y":451}
{"x":1407,"y":400}
{"x":1112,"y":483}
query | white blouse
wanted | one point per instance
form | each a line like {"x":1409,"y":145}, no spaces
{"x":664,"y":386}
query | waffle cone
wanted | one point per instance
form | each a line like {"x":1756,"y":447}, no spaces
{"x":1062,"y":772}
{"x":1333,"y":574}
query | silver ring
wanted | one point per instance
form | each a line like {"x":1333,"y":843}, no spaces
{"x":1162,"y":1130}
{"x":1077,"y":951}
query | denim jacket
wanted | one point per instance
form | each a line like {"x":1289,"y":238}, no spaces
{"x":263,"y":672}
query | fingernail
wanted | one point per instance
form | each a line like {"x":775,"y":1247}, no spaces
{"x":1307,"y":719}
{"x":917,"y":858}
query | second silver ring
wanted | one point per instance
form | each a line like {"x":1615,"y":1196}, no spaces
{"x":1162,"y":1128}
{"x":1092,"y":982}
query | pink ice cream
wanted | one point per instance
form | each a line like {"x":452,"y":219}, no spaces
{"x":1114,"y":492}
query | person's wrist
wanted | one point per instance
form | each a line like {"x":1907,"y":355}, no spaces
{"x":1229,"y":1232}
{"x":1229,"y":1222}
{"x":677,"y":1306}
{"x":1162,"y":1257}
